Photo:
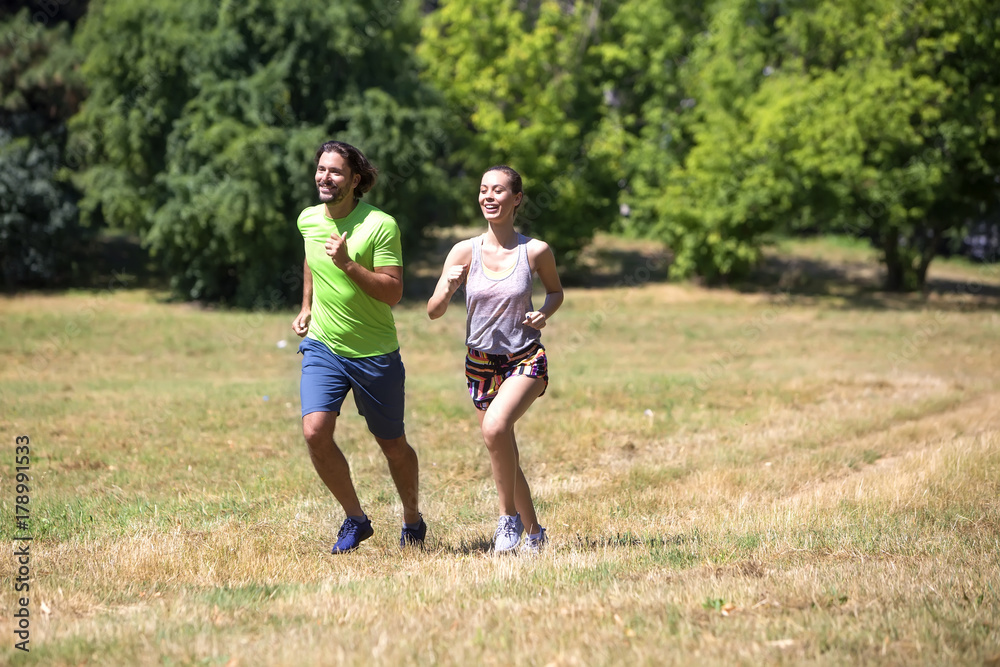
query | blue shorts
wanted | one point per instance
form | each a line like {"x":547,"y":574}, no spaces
{"x":377,"y":383}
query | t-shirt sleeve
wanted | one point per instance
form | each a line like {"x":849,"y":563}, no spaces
{"x":302,"y":222}
{"x":387,"y":244}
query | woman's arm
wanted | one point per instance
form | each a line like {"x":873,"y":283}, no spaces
{"x":453,"y":275}
{"x":544,"y":263}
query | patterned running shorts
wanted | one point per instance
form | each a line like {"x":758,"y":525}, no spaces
{"x":486,"y":372}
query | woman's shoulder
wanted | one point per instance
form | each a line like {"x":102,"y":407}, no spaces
{"x":462,"y":249}
{"x":535,"y":247}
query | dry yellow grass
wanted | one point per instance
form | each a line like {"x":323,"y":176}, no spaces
{"x":727,"y":478}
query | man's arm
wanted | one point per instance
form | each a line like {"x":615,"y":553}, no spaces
{"x":307,"y":285}
{"x":300,"y":325}
{"x":384,"y":284}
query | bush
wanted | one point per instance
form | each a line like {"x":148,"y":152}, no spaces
{"x":41,"y":241}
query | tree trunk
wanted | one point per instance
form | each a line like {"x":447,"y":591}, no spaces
{"x":925,"y":261}
{"x":906,"y":267}
{"x":895,"y":272}
{"x":928,"y":254}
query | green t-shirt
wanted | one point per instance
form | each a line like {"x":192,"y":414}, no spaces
{"x":349,"y":321}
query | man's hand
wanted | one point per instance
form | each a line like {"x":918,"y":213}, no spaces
{"x":336,"y":249}
{"x":300,"y":325}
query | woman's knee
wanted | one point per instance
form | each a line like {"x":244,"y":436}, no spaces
{"x":495,"y":431}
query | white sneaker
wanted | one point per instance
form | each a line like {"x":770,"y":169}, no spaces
{"x":534,"y":544}
{"x":508,"y":534}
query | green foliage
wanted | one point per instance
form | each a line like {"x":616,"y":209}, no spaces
{"x":523,"y":80}
{"x":39,"y":83}
{"x":713,"y":126}
{"x":722,"y":191}
{"x":41,"y":241}
{"x":642,"y":47}
{"x":201,"y":130}
{"x":871,"y":117}
{"x":907,"y":125}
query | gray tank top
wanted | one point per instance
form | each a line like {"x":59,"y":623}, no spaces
{"x":496,"y":306}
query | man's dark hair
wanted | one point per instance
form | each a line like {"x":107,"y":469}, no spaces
{"x":357,"y":162}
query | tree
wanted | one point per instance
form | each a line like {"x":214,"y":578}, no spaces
{"x":906,"y":95}
{"x":521,"y":75}
{"x":203,"y":120}
{"x":40,"y":236}
{"x":877,"y":117}
{"x":643,"y":46}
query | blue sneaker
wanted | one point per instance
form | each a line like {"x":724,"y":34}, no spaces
{"x":508,"y":534}
{"x":351,"y":535}
{"x":414,"y":536}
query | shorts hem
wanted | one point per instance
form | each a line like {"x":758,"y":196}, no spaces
{"x":309,"y":411}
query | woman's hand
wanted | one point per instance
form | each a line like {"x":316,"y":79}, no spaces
{"x":455,"y":276}
{"x":535,"y":319}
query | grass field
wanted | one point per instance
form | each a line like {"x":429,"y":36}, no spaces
{"x":803,"y":471}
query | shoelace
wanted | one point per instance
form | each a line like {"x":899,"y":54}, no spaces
{"x":349,"y":528}
{"x":509,"y":527}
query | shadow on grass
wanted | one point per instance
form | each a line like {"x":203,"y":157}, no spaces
{"x":859,"y":285}
{"x":118,"y":261}
{"x":479,"y":545}
{"x":613,"y":263}
{"x":627,"y":540}
{"x":418,"y":287}
{"x":609,"y":262}
{"x":110,"y":261}
{"x":601,"y":268}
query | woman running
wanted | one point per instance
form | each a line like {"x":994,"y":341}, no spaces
{"x":505,"y":366}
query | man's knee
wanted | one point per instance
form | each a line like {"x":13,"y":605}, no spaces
{"x":311,"y":432}
{"x":317,"y":428}
{"x":395,"y":448}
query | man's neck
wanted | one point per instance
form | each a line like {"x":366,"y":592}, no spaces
{"x":341,"y":209}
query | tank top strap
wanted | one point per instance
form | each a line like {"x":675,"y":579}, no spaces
{"x":477,"y":255}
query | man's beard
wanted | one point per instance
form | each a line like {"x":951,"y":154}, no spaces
{"x":334,"y":197}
